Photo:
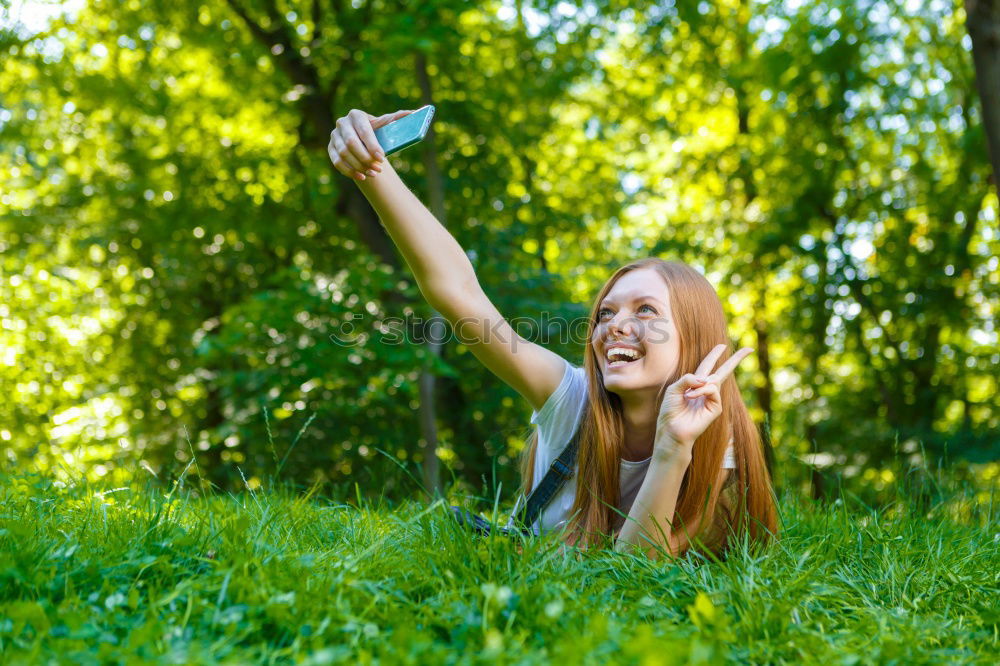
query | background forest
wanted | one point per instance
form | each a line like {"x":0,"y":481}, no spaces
{"x":181,"y":265}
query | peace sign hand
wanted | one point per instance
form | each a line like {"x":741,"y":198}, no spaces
{"x":692,"y":403}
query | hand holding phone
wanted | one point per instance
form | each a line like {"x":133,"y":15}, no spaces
{"x":361,"y":141}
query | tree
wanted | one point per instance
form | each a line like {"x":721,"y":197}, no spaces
{"x":180,"y":261}
{"x":983,"y":22}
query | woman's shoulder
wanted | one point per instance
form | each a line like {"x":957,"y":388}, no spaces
{"x":558,"y":417}
{"x":570,"y":391}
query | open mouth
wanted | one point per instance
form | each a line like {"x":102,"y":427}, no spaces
{"x":621,"y":356}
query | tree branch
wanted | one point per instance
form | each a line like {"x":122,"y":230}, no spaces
{"x":317,"y":102}
{"x":317,"y":113}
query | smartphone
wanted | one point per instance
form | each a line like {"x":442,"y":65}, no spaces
{"x":406,"y":131}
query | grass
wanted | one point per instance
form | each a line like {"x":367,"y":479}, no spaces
{"x":149,"y":574}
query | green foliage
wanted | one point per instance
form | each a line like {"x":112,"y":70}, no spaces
{"x":177,"y":250}
{"x":158,"y":572}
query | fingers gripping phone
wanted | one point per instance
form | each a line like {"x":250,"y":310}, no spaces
{"x":406,"y":131}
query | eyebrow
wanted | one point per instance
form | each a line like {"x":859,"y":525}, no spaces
{"x":641,"y":297}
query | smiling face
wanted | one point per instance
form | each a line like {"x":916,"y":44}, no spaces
{"x":635,"y":339}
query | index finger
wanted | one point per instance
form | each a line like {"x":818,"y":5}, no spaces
{"x":708,"y":362}
{"x":363,"y":127}
{"x":727,"y":368}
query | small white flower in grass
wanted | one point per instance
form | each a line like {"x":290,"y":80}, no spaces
{"x":324,"y":656}
{"x":554,"y":609}
{"x":284,"y":598}
{"x":114,"y":601}
{"x":371,"y":630}
{"x":500,"y":594}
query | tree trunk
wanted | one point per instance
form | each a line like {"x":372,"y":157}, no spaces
{"x":435,"y":189}
{"x":317,"y":123}
{"x":982,"y":19}
{"x":745,"y":172}
{"x":764,"y":391}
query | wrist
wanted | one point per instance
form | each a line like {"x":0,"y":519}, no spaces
{"x":672,"y":451}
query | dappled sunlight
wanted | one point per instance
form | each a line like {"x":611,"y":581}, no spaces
{"x":185,"y":280}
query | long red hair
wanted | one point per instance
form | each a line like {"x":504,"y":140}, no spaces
{"x":594,"y":517}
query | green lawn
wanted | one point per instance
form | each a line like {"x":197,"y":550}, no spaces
{"x":146,"y":575}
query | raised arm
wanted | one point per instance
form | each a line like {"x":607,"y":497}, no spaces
{"x":443,"y":272}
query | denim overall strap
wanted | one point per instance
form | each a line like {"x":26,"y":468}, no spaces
{"x":559,"y":472}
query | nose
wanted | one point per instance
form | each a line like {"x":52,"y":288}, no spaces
{"x":621,"y":325}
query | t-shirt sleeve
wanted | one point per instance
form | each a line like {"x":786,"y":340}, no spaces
{"x":556,"y":422}
{"x":558,"y":417}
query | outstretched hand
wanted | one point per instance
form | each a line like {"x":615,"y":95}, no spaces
{"x":693,"y":402}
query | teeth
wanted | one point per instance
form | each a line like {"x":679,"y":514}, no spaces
{"x":622,"y":353}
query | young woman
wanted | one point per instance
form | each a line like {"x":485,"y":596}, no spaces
{"x":668,"y":457}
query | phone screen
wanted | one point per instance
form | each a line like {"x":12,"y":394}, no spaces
{"x":406,"y":131}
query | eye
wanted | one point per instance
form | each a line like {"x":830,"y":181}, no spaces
{"x":602,"y":312}
{"x":651,"y":308}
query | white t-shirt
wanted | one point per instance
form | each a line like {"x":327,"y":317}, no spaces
{"x":557,"y":421}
